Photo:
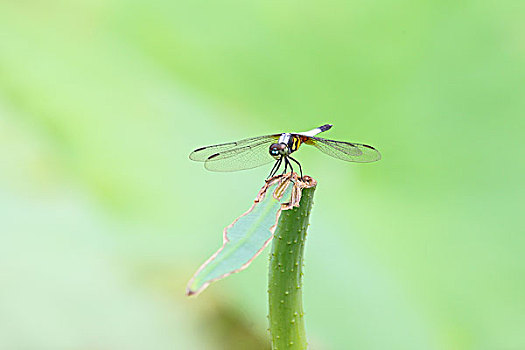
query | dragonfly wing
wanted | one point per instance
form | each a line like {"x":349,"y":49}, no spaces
{"x":348,"y":151}
{"x":241,"y":158}
{"x":203,"y":153}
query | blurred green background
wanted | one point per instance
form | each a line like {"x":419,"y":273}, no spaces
{"x":104,"y":218}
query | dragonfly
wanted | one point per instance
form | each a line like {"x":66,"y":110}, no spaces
{"x":260,"y":150}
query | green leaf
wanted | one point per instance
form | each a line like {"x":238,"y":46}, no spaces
{"x":247,"y":236}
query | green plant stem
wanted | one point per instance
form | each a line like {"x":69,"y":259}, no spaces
{"x":285,"y":276}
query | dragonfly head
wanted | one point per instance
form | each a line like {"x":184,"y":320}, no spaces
{"x":277,"y":150}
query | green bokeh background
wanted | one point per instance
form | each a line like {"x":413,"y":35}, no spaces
{"x":104,"y":219}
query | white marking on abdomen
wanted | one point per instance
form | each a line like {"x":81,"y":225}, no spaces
{"x":315,"y":131}
{"x":311,"y":132}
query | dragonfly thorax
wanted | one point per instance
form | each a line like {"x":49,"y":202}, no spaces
{"x":287,"y":144}
{"x":277,"y":150}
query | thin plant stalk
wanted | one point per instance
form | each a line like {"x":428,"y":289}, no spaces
{"x":286,"y":315}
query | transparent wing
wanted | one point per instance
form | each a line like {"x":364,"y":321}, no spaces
{"x":350,"y":152}
{"x":203,"y":153}
{"x":241,"y":158}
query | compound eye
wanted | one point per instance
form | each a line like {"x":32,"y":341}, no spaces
{"x":274,"y":149}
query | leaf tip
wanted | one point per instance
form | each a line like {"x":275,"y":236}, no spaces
{"x":190,"y":292}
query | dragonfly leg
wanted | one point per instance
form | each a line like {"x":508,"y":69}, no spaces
{"x":287,"y":164}
{"x":300,"y":168}
{"x":275,"y":167}
{"x":278,"y":166}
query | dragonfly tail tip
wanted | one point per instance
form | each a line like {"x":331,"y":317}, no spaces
{"x":325,"y":127}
